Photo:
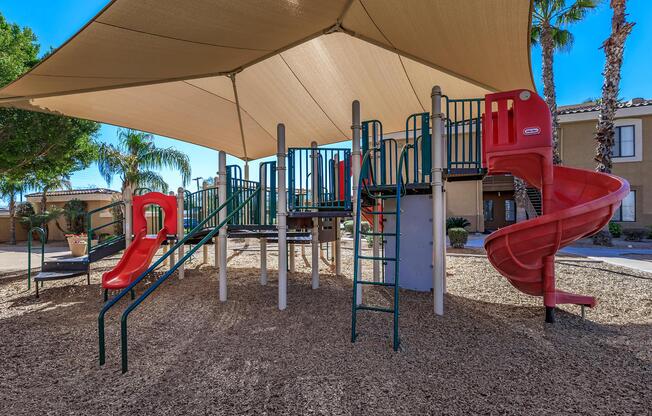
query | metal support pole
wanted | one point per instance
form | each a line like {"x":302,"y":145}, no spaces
{"x":355,"y":164}
{"x":291,"y":259}
{"x":262,"y":209}
{"x":128,"y":214}
{"x":180,"y":230}
{"x":315,"y":220}
{"x":216,"y":239}
{"x":204,"y":207}
{"x":376,"y":248}
{"x":438,"y":214}
{"x":281,"y":218}
{"x":337,"y":249}
{"x":222,"y":233}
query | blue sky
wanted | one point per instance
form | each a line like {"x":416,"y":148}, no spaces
{"x":577,"y":73}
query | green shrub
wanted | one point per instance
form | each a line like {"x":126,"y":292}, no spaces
{"x":456,"y":222}
{"x":615,"y":229}
{"x":635,"y":234}
{"x":24,"y":210}
{"x":458,"y":237}
{"x":75,"y":214}
{"x":348,"y":226}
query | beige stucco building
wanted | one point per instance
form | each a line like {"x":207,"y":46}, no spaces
{"x":489,"y":204}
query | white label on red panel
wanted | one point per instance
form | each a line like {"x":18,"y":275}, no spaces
{"x":531,"y":131}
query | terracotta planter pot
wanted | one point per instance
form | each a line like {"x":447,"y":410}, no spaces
{"x":78,"y":245}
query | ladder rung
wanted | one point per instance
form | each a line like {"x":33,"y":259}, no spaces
{"x":380,"y":212}
{"x":377,"y":258}
{"x":369,"y":282}
{"x":374,"y":308}
{"x":378,"y":234}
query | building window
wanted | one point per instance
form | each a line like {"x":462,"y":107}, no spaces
{"x":510,"y":210}
{"x":488,"y":210}
{"x":627,"y":210}
{"x":624,"y":142}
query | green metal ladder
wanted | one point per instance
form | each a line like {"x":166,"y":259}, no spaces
{"x":363,"y":188}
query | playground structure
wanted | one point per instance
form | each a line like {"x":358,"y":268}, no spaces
{"x":389,"y":182}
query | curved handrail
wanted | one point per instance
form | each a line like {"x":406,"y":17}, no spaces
{"x":41,"y":233}
{"x":89,"y":217}
{"x":160,"y":280}
{"x":157,"y":263}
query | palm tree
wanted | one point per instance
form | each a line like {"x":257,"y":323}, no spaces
{"x":613,"y":47}
{"x":549,"y":19}
{"x":51,"y":183}
{"x":136,"y":158}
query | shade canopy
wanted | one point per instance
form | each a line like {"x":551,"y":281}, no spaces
{"x":223,"y":73}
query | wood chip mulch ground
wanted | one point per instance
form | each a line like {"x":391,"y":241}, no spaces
{"x":190,"y":354}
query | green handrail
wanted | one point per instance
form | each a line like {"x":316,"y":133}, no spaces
{"x":128,"y":289}
{"x":41,"y":233}
{"x":160,"y":280}
{"x":89,"y":218}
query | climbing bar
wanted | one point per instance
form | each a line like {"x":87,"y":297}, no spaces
{"x":379,"y":258}
{"x":374,"y":308}
{"x":372,"y":283}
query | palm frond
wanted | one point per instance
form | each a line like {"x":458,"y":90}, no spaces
{"x":170,"y":158}
{"x":576,"y":12}
{"x":110,"y":162}
{"x":151,"y":180}
{"x":562,"y":39}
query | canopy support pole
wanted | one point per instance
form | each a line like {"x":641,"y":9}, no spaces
{"x":216,"y":239}
{"x":242,"y":135}
{"x":180,"y":231}
{"x":355,"y":163}
{"x":262,"y":207}
{"x":315,"y":220}
{"x":126,"y":195}
{"x":281,"y":218}
{"x":221,"y":192}
{"x":438,"y":204}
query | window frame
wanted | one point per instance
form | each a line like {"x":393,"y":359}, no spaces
{"x":620,"y":210}
{"x":618,"y":143}
{"x":638,"y":140}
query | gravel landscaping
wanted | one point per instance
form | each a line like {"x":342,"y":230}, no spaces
{"x":190,"y":354}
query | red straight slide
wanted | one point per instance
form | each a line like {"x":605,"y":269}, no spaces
{"x":138,"y":256}
{"x":517,"y":139}
{"x":135,"y":260}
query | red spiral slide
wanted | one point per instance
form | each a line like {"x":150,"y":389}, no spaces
{"x":577,"y":203}
{"x":138,"y":256}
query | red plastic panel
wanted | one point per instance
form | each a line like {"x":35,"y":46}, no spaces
{"x":167,"y":202}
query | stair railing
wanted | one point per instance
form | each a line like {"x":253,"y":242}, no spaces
{"x":125,"y":291}
{"x":41,"y":233}
{"x":90,"y":230}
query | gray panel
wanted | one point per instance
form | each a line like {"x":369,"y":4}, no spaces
{"x":415,"y":271}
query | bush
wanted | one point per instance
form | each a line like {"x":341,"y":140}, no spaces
{"x":602,"y":238}
{"x":615,"y":229}
{"x":458,"y":237}
{"x":75,"y":213}
{"x":348,"y":226}
{"x":456,"y":222}
{"x":24,"y":210}
{"x":635,"y":234}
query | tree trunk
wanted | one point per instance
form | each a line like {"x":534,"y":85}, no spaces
{"x":613,"y":47}
{"x":549,"y":93}
{"x":12,"y":219}
{"x":520,"y":197}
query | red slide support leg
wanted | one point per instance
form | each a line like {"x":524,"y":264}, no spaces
{"x":549,"y":291}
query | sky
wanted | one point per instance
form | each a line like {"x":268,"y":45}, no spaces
{"x":578,"y":73}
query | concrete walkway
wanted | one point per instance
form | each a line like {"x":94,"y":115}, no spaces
{"x":611,"y":255}
{"x":14,"y":258}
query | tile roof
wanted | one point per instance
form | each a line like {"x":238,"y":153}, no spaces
{"x":64,"y":192}
{"x":593,"y":106}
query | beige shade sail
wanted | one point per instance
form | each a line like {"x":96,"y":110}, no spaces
{"x":223,"y":73}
